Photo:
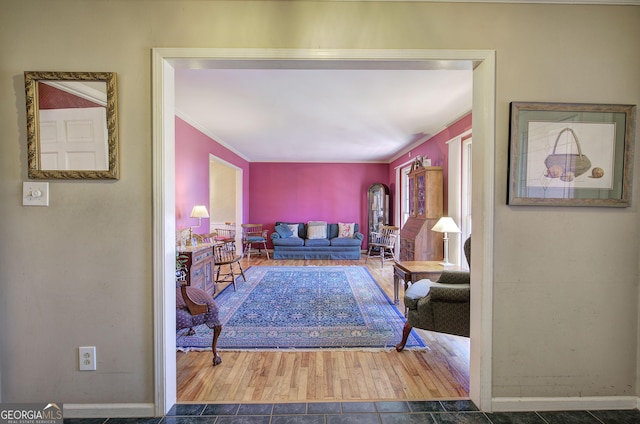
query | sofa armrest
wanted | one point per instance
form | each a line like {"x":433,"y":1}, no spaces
{"x":275,"y":235}
{"x":358,"y":236}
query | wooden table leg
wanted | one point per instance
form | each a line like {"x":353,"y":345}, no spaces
{"x":396,"y":289}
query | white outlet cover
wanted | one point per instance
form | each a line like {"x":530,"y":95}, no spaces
{"x":35,"y":193}
{"x":87,"y":358}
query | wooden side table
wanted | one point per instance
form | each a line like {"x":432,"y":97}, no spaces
{"x":412,"y":271}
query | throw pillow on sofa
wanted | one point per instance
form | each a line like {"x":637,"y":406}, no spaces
{"x":316,"y":230}
{"x":294,"y":230}
{"x":345,"y":230}
{"x":284,"y":230}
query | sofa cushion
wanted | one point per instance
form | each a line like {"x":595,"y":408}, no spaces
{"x":284,"y":230}
{"x":289,"y":241}
{"x":346,"y":229}
{"x":345,"y":241}
{"x":317,"y":242}
{"x":316,"y":232}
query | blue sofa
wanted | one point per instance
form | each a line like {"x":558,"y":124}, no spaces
{"x":332,"y":247}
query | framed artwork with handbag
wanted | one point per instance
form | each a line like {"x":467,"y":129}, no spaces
{"x":570,"y":154}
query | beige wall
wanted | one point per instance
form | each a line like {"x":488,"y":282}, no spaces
{"x":79,"y":272}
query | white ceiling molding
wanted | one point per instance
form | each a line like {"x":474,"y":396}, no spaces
{"x":92,"y":91}
{"x":204,"y":130}
{"x":364,"y":112}
{"x":601,"y":2}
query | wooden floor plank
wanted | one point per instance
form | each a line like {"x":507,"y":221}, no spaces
{"x":440,"y":371}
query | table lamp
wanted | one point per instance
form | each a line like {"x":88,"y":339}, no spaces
{"x":446,"y":225}
{"x":198,"y":211}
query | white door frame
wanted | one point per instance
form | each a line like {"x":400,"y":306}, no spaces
{"x":164,"y":60}
{"x":237,"y":183}
{"x":456,"y":199}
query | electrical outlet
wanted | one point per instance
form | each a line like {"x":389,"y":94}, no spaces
{"x":87,"y":356}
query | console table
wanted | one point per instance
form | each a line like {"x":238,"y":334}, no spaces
{"x":199,"y":267}
{"x":412,"y":271}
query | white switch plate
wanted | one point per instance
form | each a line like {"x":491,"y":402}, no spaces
{"x":35,"y":193}
{"x":87,"y":358}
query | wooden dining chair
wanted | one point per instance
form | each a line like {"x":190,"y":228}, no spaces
{"x":253,"y":234}
{"x":383,"y":243}
{"x":225,"y":255}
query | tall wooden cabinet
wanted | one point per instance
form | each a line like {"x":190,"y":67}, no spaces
{"x":417,"y":241}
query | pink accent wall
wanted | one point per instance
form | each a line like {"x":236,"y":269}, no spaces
{"x":192,"y":173}
{"x":436,"y":149}
{"x":301,"y":192}
{"x":296,"y":192}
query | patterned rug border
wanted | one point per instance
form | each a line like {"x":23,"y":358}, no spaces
{"x":356,"y":274}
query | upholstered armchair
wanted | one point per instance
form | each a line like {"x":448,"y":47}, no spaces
{"x":195,"y":307}
{"x":442,"y":306}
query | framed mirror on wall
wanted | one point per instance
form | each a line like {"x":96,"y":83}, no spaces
{"x":72,"y":125}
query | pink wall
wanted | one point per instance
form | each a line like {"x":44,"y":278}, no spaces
{"x":436,"y":149}
{"x":192,"y":173}
{"x":297,"y":192}
{"x":300,"y":192}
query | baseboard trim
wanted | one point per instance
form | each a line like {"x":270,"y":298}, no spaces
{"x":108,"y":410}
{"x":504,"y":404}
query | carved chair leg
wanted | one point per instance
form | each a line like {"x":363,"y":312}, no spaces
{"x":233,"y":276}
{"x":242,"y":272}
{"x":405,"y":335}
{"x":216,"y":333}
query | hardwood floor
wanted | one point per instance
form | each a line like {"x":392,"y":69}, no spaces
{"x":439,"y":372}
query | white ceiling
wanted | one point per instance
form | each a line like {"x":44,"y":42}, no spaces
{"x":322,"y":115}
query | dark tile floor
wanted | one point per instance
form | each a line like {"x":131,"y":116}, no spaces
{"x":434,"y":412}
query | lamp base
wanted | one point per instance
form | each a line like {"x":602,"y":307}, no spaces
{"x":446,"y":264}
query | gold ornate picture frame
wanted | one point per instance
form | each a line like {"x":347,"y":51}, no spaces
{"x":72,"y":125}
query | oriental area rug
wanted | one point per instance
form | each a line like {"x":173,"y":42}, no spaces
{"x":310,"y":307}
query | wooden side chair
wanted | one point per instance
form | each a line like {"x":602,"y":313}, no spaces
{"x":253,"y":234}
{"x":383,"y":243}
{"x":205,"y":238}
{"x":226,"y":232}
{"x":224,"y":255}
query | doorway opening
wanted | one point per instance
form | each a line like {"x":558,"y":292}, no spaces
{"x":164,"y":63}
{"x":225,"y":196}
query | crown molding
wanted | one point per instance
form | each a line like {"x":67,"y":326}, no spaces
{"x":594,"y":2}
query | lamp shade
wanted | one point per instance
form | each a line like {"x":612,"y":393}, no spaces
{"x":199,"y":211}
{"x":446,"y":225}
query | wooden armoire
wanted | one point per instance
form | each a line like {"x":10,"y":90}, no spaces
{"x":417,"y":241}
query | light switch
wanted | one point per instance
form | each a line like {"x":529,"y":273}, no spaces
{"x":35,"y":193}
